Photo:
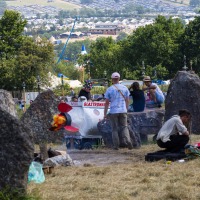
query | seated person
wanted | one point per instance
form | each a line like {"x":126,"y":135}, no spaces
{"x":85,"y":91}
{"x":173,"y":135}
{"x":156,"y":95}
{"x":138,"y":97}
{"x":101,"y":98}
{"x":74,"y":99}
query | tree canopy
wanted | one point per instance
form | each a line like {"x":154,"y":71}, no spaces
{"x":21,"y":58}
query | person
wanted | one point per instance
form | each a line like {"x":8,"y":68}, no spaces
{"x":85,"y":91}
{"x":117,"y":96}
{"x":173,"y":135}
{"x":138,"y":97}
{"x":71,"y":92}
{"x":74,"y":99}
{"x":156,"y":95}
{"x":101,"y":98}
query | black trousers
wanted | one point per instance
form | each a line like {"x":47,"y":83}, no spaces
{"x":176,"y":143}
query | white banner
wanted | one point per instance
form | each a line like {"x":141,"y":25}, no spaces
{"x":86,"y":115}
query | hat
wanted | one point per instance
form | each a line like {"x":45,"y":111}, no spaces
{"x":147,"y":79}
{"x":88,"y":84}
{"x":115,"y":75}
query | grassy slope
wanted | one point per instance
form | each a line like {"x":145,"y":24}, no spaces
{"x":138,"y":180}
{"x":56,"y":3}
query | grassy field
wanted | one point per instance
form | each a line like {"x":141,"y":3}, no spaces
{"x":138,"y":180}
{"x":55,"y":3}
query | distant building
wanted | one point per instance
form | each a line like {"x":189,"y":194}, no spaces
{"x":106,"y":28}
{"x":73,"y":35}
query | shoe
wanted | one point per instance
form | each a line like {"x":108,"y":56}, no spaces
{"x":115,"y":148}
{"x":159,"y":106}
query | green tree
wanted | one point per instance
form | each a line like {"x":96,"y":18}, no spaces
{"x":11,"y":29}
{"x":155,"y":44}
{"x":191,"y":43}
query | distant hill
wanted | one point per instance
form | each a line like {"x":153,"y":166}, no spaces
{"x":55,"y":3}
{"x":76,"y":4}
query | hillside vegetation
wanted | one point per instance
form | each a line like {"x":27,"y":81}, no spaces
{"x":69,"y":6}
{"x":56,"y":3}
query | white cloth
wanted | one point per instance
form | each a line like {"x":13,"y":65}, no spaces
{"x":171,"y":127}
{"x":158,"y":90}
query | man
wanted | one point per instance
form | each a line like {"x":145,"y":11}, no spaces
{"x":72,"y":93}
{"x":85,"y":91}
{"x":156,"y":95}
{"x":118,"y":97}
{"x":174,"y":135}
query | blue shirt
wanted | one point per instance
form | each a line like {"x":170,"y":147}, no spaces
{"x":117,"y":101}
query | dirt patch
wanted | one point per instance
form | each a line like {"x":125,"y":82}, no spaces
{"x":105,"y":157}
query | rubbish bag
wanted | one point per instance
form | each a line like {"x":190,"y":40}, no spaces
{"x":36,"y":173}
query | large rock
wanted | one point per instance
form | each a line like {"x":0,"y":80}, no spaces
{"x":184,"y":93}
{"x":140,"y":125}
{"x":16,"y":152}
{"x":7,"y":103}
{"x":39,"y":117}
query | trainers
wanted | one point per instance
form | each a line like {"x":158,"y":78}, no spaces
{"x":115,"y":148}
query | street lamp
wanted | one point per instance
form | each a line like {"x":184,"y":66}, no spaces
{"x":24,"y":91}
{"x":184,"y":67}
{"x":143,"y":69}
{"x":155,"y":73}
{"x":62,"y":82}
{"x":38,"y":83}
{"x":105,"y":76}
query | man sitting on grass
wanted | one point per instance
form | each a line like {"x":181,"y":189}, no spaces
{"x":173,"y":135}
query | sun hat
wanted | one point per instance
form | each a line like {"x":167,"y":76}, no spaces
{"x":147,"y":79}
{"x":115,"y":75}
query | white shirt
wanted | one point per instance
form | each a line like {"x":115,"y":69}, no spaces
{"x":158,"y":90}
{"x":171,"y":127}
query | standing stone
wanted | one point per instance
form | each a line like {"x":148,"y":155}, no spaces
{"x":184,"y":93}
{"x":140,"y":125}
{"x":16,"y":152}
{"x":39,"y":117}
{"x":7,"y":103}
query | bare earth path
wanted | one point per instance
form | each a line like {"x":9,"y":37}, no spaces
{"x":105,"y":157}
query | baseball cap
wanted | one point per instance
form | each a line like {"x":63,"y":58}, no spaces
{"x":115,"y":75}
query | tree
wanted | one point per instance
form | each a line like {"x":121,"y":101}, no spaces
{"x":11,"y":29}
{"x":121,"y":36}
{"x":190,"y":43}
{"x":155,"y":44}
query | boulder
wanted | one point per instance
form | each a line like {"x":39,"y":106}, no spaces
{"x":7,"y":103}
{"x":16,"y":152}
{"x":140,"y":125}
{"x":39,"y":117}
{"x":184,"y":93}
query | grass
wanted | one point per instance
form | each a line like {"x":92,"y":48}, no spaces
{"x":56,"y":3}
{"x":138,"y":180}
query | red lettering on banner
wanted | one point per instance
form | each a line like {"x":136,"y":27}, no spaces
{"x":93,"y":104}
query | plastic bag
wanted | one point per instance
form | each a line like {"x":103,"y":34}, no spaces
{"x":130,"y":108}
{"x":36,"y":173}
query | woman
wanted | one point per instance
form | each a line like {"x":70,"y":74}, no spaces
{"x":138,"y":97}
